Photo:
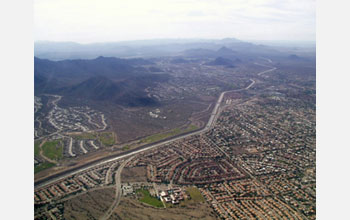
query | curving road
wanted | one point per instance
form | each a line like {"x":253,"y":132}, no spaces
{"x":103,"y":122}
{"x":70,"y":147}
{"x":89,"y":120}
{"x":82,"y":147}
{"x":108,"y":179}
{"x":118,"y":190}
{"x":266,"y":71}
{"x":146,"y":147}
{"x":93,"y":144}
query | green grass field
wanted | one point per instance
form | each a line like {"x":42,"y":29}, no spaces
{"x":173,"y":132}
{"x":107,"y":138}
{"x":148,"y":199}
{"x":53,"y":150}
{"x":157,"y":137}
{"x":191,"y":128}
{"x":43,"y":166}
{"x":36,"y":148}
{"x":195,"y":194}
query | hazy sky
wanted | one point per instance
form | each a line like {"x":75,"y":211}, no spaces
{"x":88,"y":21}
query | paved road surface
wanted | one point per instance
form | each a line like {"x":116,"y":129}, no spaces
{"x":93,"y":144}
{"x":118,"y":190}
{"x":82,"y":147}
{"x":70,"y":147}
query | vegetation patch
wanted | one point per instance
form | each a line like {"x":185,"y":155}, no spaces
{"x":148,"y":199}
{"x":53,"y":150}
{"x":107,"y":138}
{"x":195,"y":194}
{"x":158,"y":137}
{"x":43,"y":166}
{"x":191,"y":128}
{"x":126,"y":147}
{"x":36,"y":148}
{"x":173,"y":132}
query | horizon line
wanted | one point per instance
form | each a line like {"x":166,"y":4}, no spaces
{"x":177,"y":39}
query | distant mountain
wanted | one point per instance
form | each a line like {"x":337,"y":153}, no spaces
{"x":112,"y":67}
{"x":45,"y":85}
{"x":96,"y":88}
{"x":220,"y":61}
{"x":128,"y":93}
{"x":229,"y":40}
{"x":296,"y":57}
{"x":121,"y":81}
{"x":70,"y":50}
{"x":141,"y":48}
{"x":224,"y":51}
{"x":38,"y":79}
{"x":39,"y":83}
{"x":193,"y":48}
{"x":137,"y":61}
{"x":221,"y":52}
{"x":199,"y":53}
{"x":179,"y":60}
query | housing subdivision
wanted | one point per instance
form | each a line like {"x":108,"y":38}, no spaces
{"x":256,"y":161}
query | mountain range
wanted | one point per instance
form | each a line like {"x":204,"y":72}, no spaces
{"x":121,"y":81}
{"x":152,"y":48}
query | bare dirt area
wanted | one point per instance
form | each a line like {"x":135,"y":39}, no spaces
{"x":134,"y":174}
{"x":133,"y":209}
{"x":91,"y":205}
{"x":132,"y":125}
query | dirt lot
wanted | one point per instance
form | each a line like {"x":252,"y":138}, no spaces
{"x":91,"y":205}
{"x":135,"y":174}
{"x":135,"y":210}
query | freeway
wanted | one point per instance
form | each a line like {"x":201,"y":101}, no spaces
{"x":111,"y":158}
{"x":218,"y":103}
{"x":266,"y":71}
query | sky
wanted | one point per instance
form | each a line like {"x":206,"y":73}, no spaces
{"x":88,"y":21}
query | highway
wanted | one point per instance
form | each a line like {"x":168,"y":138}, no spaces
{"x":270,"y":70}
{"x":146,"y":147}
{"x":266,"y":71}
